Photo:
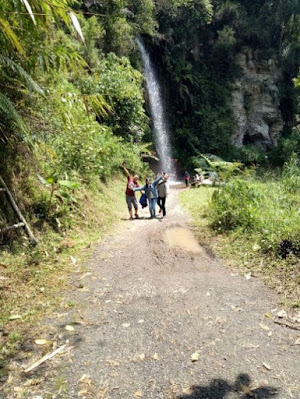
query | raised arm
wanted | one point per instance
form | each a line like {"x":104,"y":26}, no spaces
{"x":123,"y":166}
{"x":157,"y":181}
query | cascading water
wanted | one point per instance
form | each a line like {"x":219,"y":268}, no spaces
{"x":162,"y":139}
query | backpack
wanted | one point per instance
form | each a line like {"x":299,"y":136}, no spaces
{"x":143,"y":201}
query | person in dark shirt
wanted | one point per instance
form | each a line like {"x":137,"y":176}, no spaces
{"x":187,"y":178}
{"x":132,"y":182}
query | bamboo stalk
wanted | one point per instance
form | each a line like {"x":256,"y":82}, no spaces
{"x":18,"y":212}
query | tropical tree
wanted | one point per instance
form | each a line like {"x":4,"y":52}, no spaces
{"x":27,"y":44}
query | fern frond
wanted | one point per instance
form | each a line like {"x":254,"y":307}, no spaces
{"x":146,"y":148}
{"x":8,"y":110}
{"x":97,"y":103}
{"x":16,"y":68}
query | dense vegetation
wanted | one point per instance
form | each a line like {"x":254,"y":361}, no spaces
{"x":72,"y":99}
{"x":266,"y":210}
{"x":71,"y":104}
{"x":196,"y":48}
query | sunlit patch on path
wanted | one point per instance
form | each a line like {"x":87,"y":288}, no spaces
{"x":182,"y":238}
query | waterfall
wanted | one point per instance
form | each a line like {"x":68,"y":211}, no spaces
{"x":162,"y":139}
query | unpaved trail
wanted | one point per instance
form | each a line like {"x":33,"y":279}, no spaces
{"x":151,"y":299}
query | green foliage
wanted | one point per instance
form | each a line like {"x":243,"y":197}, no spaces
{"x":80,"y":109}
{"x":236,"y":205}
{"x":143,"y":15}
{"x":198,"y":60}
{"x":94,"y":35}
{"x":10,"y":65}
{"x":74,"y":142}
{"x":286,"y":147}
{"x":20,"y":29}
{"x":266,"y":212}
{"x":291,"y":175}
{"x":121,"y":86}
{"x":122,"y":21}
{"x":224,"y":170}
{"x":250,"y":155}
{"x":57,"y":188}
{"x":226,"y":40}
{"x":122,"y":37}
{"x":11,"y":115}
{"x":218,"y":165}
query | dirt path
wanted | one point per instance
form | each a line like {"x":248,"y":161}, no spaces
{"x":148,"y":305}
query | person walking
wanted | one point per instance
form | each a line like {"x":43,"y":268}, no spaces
{"x":186,"y":178}
{"x":162,"y":191}
{"x":132,"y":182}
{"x":150,"y":189}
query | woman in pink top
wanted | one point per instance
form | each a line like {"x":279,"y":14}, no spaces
{"x":132,"y":182}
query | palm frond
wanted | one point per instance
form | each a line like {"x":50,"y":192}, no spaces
{"x":28,"y":7}
{"x":76,"y":25}
{"x":6,"y":30}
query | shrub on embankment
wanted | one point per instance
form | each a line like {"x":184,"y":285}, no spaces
{"x":267,"y":210}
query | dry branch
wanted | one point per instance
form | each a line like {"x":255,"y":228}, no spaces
{"x":289,"y":325}
{"x":45,"y":358}
{"x":18,"y":212}
{"x":14,"y":226}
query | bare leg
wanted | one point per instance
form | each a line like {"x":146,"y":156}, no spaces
{"x":136,"y":208}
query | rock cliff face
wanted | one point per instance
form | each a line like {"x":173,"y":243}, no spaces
{"x":255,"y":102}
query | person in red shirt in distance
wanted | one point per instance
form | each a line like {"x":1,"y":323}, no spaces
{"x":132,"y":182}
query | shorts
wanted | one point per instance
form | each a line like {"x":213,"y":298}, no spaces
{"x":131,"y":200}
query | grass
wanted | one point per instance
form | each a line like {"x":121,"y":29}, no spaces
{"x":196,"y":202}
{"x":34,"y":279}
{"x":251,"y":248}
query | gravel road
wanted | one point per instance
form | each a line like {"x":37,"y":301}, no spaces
{"x":160,"y":317}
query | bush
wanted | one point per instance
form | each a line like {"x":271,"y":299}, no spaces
{"x":236,"y":205}
{"x":265,"y":212}
{"x":286,"y":147}
{"x":121,"y":86}
{"x":71,"y":138}
{"x":250,"y":155}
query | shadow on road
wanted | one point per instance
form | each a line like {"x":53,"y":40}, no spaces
{"x":134,"y":219}
{"x":219,"y":388}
